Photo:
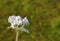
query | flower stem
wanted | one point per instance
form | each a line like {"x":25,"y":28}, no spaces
{"x":17,"y":33}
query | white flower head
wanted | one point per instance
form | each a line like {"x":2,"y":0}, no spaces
{"x":16,"y":21}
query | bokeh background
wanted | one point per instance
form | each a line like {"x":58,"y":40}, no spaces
{"x":43,"y":15}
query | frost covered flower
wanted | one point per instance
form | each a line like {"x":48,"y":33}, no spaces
{"x":16,"y":21}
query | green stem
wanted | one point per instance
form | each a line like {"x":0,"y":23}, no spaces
{"x":17,"y":34}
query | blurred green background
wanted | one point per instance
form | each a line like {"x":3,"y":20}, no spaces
{"x":43,"y":15}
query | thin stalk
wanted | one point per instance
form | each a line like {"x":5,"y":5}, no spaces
{"x":17,"y":34}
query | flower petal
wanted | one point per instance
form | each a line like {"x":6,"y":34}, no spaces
{"x":24,"y":29}
{"x":25,"y":21}
{"x":11,"y":18}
